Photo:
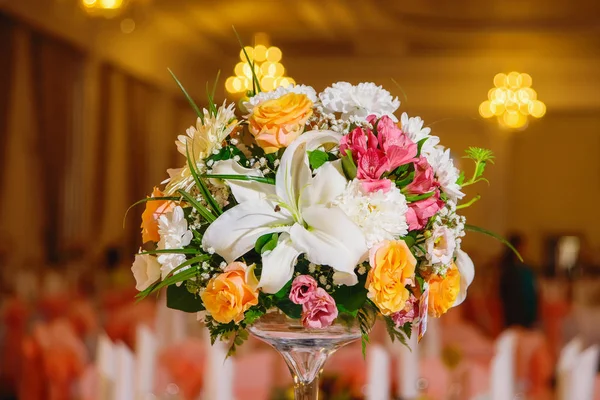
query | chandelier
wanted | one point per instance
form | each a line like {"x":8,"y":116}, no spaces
{"x":267,"y":67}
{"x":104,"y":8}
{"x":512,"y":101}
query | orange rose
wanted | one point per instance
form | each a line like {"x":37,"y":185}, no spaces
{"x":443,"y":291}
{"x":276,"y":123}
{"x":154,"y":209}
{"x":229,"y":295}
{"x":392,"y":268}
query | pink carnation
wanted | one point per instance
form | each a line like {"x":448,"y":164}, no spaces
{"x":408,"y":313}
{"x":424,"y":181}
{"x":303,"y":288}
{"x":419,"y":212}
{"x":319,"y":311}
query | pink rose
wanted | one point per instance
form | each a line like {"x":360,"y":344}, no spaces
{"x":319,"y":311}
{"x":408,"y":313}
{"x":420,"y":211}
{"x":424,"y":181}
{"x":303,"y":288}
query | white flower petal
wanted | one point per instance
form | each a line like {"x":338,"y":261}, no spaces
{"x":294,"y":173}
{"x":356,"y":102}
{"x":243,"y":190}
{"x":278,"y":265}
{"x":328,"y":183}
{"x":146,"y":271}
{"x":235,"y":232}
{"x":332,"y":238}
{"x":466,"y":268}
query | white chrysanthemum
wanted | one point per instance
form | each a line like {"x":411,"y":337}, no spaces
{"x":445,"y":171}
{"x":174,"y":234}
{"x":413,"y":128}
{"x":381,"y":216}
{"x":200,"y":142}
{"x":359,"y":101}
{"x":277,"y":93}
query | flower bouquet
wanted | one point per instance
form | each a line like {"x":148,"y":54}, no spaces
{"x":303,"y":216}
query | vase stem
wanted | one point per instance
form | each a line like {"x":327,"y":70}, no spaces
{"x":305,"y":364}
{"x":306,"y":391}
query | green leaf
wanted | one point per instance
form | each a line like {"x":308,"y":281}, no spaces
{"x":348,"y":165}
{"x":409,"y":240}
{"x":261,"y":241}
{"x":170,"y":251}
{"x":180,"y":298}
{"x":147,"y":199}
{"x":421,"y":283}
{"x":423,"y":196}
{"x":266,"y":242}
{"x":394,"y":333}
{"x":260,"y":179}
{"x":227,"y":153}
{"x":204,"y":212}
{"x":199,"y":113}
{"x":479,"y":154}
{"x":461,"y":178}
{"x":342,"y":309}
{"x":255,"y":82}
{"x":200,"y":184}
{"x":289,"y":308}
{"x":174,"y":276}
{"x":407,"y":329}
{"x":316,"y":158}
{"x":285,"y":290}
{"x":479,"y":169}
{"x":252,"y":315}
{"x":420,"y":144}
{"x":495,"y":236}
{"x":405,"y":181}
{"x":351,"y":298}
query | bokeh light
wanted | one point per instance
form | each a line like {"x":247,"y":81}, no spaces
{"x":267,"y":67}
{"x":512,"y":101}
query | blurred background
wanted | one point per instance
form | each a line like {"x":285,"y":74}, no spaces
{"x":89,"y":115}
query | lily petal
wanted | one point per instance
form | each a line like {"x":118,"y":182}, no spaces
{"x":234,"y":233}
{"x":466,"y":268}
{"x":333,"y":239}
{"x":328,"y":183}
{"x":278,"y":265}
{"x":294,"y":170}
{"x":243,"y":190}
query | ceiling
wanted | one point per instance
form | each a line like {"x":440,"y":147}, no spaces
{"x":436,"y":46}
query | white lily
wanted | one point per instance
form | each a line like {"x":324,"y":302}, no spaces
{"x":466,"y":268}
{"x":299,"y":209}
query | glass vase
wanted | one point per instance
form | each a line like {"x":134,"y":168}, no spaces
{"x":305,"y":350}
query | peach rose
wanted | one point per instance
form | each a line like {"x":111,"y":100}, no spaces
{"x":229,"y":295}
{"x":443,"y":291}
{"x":276,"y":123}
{"x":154,"y":209}
{"x":392,"y":268}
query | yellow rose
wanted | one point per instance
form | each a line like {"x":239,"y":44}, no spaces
{"x":392,"y":268}
{"x":154,"y":209}
{"x":229,"y":295}
{"x":443,"y":291}
{"x":277,"y":122}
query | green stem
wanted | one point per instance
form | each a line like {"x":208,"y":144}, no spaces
{"x":473,"y":200}
{"x":474,"y":177}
